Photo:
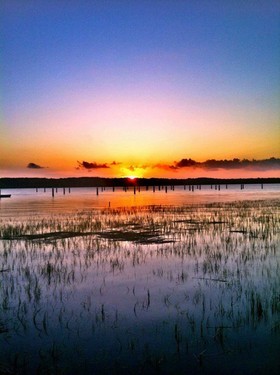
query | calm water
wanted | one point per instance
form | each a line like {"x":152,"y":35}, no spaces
{"x":28,"y":201}
{"x":159,"y":283}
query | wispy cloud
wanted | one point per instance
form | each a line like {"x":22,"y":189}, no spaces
{"x":91,"y":165}
{"x":34,"y":166}
{"x":133,"y":168}
{"x":213,"y":164}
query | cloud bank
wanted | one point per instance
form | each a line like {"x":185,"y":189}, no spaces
{"x":213,"y":164}
{"x":208,"y":165}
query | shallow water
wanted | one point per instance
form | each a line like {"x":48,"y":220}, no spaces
{"x":195,"y":290}
{"x":28,"y":201}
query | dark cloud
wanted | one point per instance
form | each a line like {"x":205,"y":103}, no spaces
{"x":185,"y":163}
{"x":265,"y":164}
{"x":115,"y":163}
{"x":213,"y":164}
{"x":34,"y":166}
{"x":92,"y":165}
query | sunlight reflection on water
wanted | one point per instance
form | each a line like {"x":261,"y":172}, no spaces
{"x":205,"y":302}
{"x":28,"y":201}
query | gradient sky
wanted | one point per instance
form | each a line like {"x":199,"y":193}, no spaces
{"x":134,"y":87}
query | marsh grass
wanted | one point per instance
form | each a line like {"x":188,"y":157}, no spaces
{"x":154,"y":289}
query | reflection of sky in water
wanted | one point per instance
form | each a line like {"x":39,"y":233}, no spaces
{"x":28,"y":200}
{"x":87,"y":303}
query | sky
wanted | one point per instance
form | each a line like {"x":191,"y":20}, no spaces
{"x":140,"y":88}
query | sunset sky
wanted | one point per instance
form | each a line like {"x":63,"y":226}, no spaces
{"x":140,"y":88}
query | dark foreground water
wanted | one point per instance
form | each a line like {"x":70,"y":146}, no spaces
{"x":158,"y":283}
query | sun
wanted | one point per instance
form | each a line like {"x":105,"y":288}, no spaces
{"x":132,"y":173}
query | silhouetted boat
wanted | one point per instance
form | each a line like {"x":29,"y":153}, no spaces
{"x":5,"y":196}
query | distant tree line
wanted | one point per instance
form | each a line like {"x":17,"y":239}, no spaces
{"x":17,"y":183}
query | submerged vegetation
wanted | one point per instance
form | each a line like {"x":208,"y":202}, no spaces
{"x":142,"y":290}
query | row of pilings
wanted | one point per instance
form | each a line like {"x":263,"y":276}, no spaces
{"x":138,"y":188}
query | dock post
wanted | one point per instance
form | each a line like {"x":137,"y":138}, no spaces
{"x":52,"y":192}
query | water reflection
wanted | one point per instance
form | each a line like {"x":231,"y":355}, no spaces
{"x":199,"y":296}
{"x":28,"y":201}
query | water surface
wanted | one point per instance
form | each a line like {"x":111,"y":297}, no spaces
{"x":159,"y":283}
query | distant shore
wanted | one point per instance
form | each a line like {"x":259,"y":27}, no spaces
{"x":23,"y":183}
